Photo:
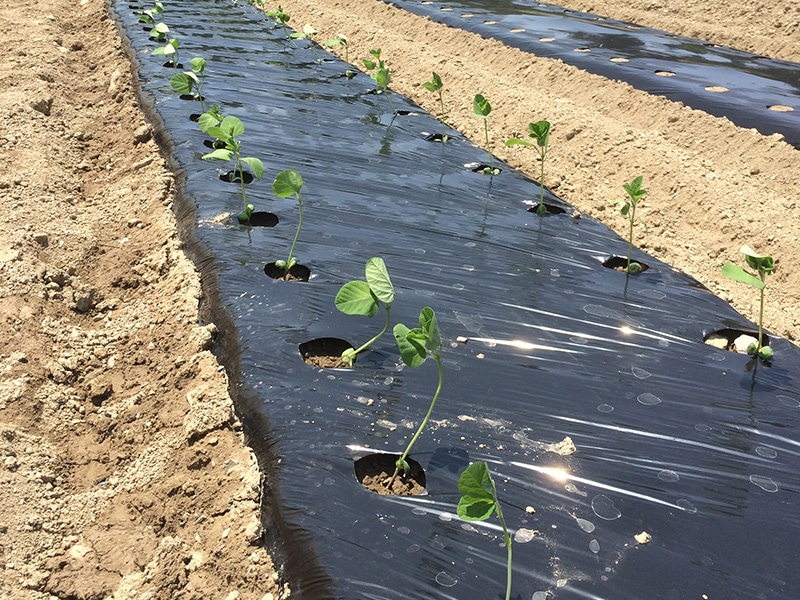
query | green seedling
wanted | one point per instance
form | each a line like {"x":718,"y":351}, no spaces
{"x":627,"y":209}
{"x":228,"y":131}
{"x":148,"y":17}
{"x":381,"y":76}
{"x":415,"y":345}
{"x":763,"y":266}
{"x":191,"y":82}
{"x":308,"y":33}
{"x":435,"y":85}
{"x":479,"y":502}
{"x":159,"y":32}
{"x":365,"y":298}
{"x":340,"y":41}
{"x":288,"y":183}
{"x":170,"y":51}
{"x":481,"y":109}
{"x":540,"y":132}
{"x":281,"y":18}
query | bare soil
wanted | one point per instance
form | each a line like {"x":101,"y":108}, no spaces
{"x":123,"y":469}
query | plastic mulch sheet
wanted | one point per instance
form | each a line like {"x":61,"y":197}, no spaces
{"x":672,"y":437}
{"x":752,"y":91}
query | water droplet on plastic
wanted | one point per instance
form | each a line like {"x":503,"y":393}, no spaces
{"x":388,"y":381}
{"x":765,"y":483}
{"x":648,"y":399}
{"x":788,"y":401}
{"x":766,"y":452}
{"x":413,"y":548}
{"x":458,"y":286}
{"x":445,"y":516}
{"x":605,"y":408}
{"x":604,"y":508}
{"x":686,"y":505}
{"x":469,"y":267}
{"x":668,"y":476}
{"x":437,"y":544}
{"x":387,"y":555}
{"x":403,"y":530}
{"x":523,"y":536}
{"x":539,"y":596}
{"x":445,"y":579}
{"x":640,"y":373}
{"x":419,"y":250}
{"x":594,"y":546}
{"x":587,"y":526}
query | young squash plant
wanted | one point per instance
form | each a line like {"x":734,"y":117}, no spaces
{"x":482,"y":109}
{"x":307,"y":33}
{"x":228,"y":131}
{"x":763,"y":266}
{"x":170,"y":51}
{"x":289,"y":183}
{"x":435,"y":86}
{"x":365,"y":298}
{"x":540,"y":132}
{"x":479,"y":502}
{"x":148,"y":16}
{"x":340,"y":41}
{"x":159,"y":32}
{"x":381,"y":76}
{"x":627,"y":209}
{"x":415,"y":346}
{"x":281,"y":19}
{"x":191,"y":82}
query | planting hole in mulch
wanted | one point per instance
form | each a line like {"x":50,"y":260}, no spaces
{"x":374,"y":471}
{"x":260,"y":219}
{"x":325,"y":352}
{"x":169,"y":65}
{"x":190,"y":97}
{"x":484,"y":169}
{"x":213,"y":144}
{"x":296,"y":273}
{"x":734,"y":340}
{"x":552,"y":209}
{"x":233,"y":177}
{"x":620,"y":263}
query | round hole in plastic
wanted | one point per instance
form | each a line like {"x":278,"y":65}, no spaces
{"x":374,"y":470}
{"x":619,"y":59}
{"x":583,"y":49}
{"x":516,"y":30}
{"x":296,"y":273}
{"x":734,"y":340}
{"x":547,"y":39}
{"x":214,"y":144}
{"x":551,"y":209}
{"x":485,"y":169}
{"x":235,"y":177}
{"x":663,"y":73}
{"x":467,"y":16}
{"x":490,"y":22}
{"x":620,"y":263}
{"x":260,"y":219}
{"x":780,"y":108}
{"x":717,"y":89}
{"x":325,"y":352}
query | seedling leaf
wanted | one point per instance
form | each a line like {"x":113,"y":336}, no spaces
{"x":518,"y":142}
{"x":231,"y":126}
{"x":356,"y":298}
{"x":182,"y":82}
{"x":737,"y":273}
{"x":219,"y":154}
{"x":430,"y":329}
{"x":256,"y":166}
{"x":286,"y":183}
{"x":378,"y":280}
{"x":198,"y":65}
{"x":408,"y":342}
{"x":478,"y":494}
{"x":481,"y":106}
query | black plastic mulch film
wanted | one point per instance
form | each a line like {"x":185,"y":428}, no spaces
{"x":752,"y":91}
{"x":673,"y":437}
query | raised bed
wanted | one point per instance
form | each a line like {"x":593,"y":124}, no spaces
{"x":673,"y":437}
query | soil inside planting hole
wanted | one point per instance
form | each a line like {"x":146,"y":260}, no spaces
{"x":374,"y":472}
{"x":116,"y":418}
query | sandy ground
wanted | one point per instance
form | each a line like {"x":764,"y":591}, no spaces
{"x":123,"y":469}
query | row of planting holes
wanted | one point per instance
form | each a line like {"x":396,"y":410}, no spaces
{"x":619,"y":59}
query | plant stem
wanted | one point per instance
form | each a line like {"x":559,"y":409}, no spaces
{"x":238,"y":166}
{"x":630,"y":236}
{"x":542,"y":152}
{"x":421,"y":426}
{"x":508,"y":547}
{"x":488,"y":149}
{"x":761,"y":316}
{"x":441,"y":104}
{"x":297,"y":233}
{"x":373,"y":340}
